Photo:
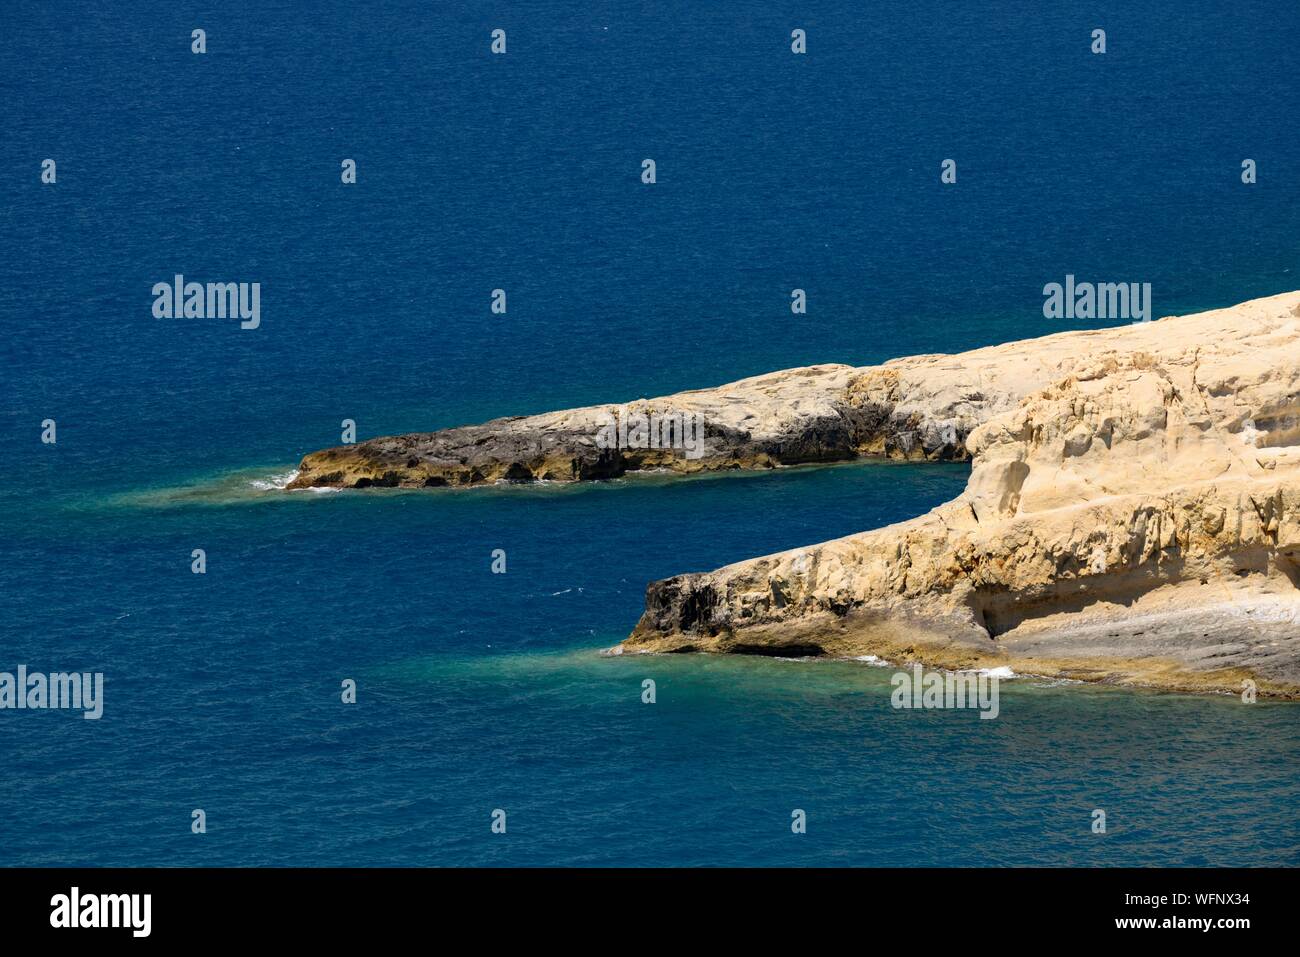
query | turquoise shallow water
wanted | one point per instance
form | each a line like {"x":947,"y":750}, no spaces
{"x":481,"y":691}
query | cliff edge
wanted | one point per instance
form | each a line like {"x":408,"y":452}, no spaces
{"x":1132,"y":515}
{"x":1136,"y":520}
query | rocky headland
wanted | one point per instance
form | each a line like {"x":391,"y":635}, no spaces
{"x":1132,"y":514}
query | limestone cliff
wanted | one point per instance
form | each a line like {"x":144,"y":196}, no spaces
{"x":1135,"y":519}
{"x":921,"y":407}
{"x":1132,"y":515}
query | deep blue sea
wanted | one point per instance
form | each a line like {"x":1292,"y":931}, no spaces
{"x":475,"y":171}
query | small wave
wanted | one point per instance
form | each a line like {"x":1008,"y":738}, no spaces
{"x":874,"y":660}
{"x":1002,"y":671}
{"x":274,"y":482}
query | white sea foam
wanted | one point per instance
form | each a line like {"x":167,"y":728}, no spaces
{"x":873,"y":660}
{"x":1002,"y":671}
{"x":274,"y":482}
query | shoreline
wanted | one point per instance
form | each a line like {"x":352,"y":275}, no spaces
{"x":1115,"y":473}
{"x":1135,"y":521}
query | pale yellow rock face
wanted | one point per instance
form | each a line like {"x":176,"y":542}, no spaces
{"x":1132,"y":515}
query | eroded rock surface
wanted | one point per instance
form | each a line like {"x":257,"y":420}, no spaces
{"x":921,"y":407}
{"x":1133,"y":515}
